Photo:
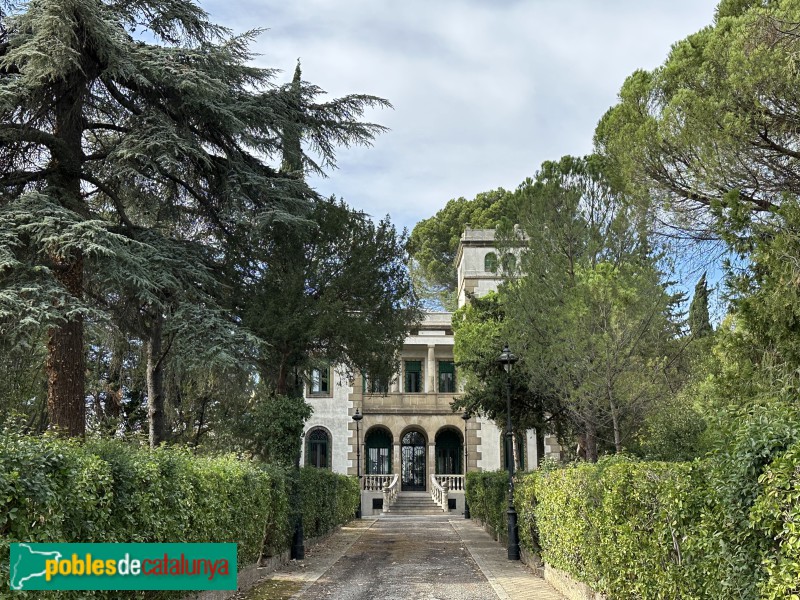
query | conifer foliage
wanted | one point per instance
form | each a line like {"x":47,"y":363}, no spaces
{"x":113,"y":148}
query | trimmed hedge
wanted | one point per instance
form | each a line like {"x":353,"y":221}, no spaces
{"x":55,"y":490}
{"x":487,"y":495}
{"x":724,"y":527}
{"x":622,"y":527}
{"x":328,"y":500}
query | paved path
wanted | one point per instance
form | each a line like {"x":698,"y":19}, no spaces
{"x":408,"y":558}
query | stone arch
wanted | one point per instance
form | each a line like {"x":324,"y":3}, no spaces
{"x":490,"y":262}
{"x":413,"y":459}
{"x":378,"y":442}
{"x":319,"y":447}
{"x":449,"y":451}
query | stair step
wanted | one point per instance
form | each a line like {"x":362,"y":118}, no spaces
{"x":414,"y":503}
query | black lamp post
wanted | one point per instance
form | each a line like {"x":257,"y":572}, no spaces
{"x":465,"y":416}
{"x":507,"y":359}
{"x":298,"y":550}
{"x":357,"y":418}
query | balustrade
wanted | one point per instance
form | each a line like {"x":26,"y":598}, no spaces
{"x":454,"y":482}
{"x":375,"y":483}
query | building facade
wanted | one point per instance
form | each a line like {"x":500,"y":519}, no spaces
{"x":408,"y":425}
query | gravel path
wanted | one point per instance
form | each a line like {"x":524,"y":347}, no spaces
{"x":404,"y":558}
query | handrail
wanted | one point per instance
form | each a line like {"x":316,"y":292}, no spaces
{"x":439,"y":493}
{"x":390,"y":489}
{"x":454,"y":482}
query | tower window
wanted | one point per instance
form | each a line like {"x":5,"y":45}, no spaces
{"x":490,"y":262}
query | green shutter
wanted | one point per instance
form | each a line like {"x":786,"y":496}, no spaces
{"x":413,"y":366}
{"x":447,"y":366}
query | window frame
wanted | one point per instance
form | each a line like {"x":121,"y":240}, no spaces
{"x":490,"y":262}
{"x":451,"y":372}
{"x":369,"y":385}
{"x":407,"y":380}
{"x":325,"y":381}
{"x":312,"y":455}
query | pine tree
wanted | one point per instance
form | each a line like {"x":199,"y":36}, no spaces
{"x":104,"y":136}
{"x":699,"y":321}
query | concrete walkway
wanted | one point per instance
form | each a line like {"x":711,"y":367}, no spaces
{"x":419,"y":557}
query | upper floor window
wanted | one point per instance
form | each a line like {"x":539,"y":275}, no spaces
{"x":447,"y":377}
{"x":375,"y":385}
{"x":509,"y":263}
{"x":413,"y":376}
{"x":320,"y":381}
{"x":490,"y":262}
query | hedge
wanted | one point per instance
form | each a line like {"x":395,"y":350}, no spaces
{"x":622,"y":527}
{"x":54,"y":490}
{"x":487,"y":495}
{"x":724,"y":527}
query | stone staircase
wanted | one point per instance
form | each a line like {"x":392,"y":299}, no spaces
{"x":414,"y":504}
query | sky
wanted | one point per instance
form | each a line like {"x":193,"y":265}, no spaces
{"x":483,"y":91}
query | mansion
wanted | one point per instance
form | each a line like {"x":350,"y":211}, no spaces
{"x":408,"y":434}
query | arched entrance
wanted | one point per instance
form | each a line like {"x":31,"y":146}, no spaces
{"x":413,"y":462}
{"x":449,"y":452}
{"x":378,"y":455}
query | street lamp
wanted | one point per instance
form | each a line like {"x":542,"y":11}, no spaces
{"x":357,"y":418}
{"x":507,"y":360}
{"x":465,"y":416}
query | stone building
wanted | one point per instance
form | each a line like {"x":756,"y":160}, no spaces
{"x":408,"y":428}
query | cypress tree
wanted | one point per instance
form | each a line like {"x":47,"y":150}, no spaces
{"x":699,"y":321}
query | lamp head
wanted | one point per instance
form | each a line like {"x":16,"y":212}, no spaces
{"x":507,"y":358}
{"x":358,"y":416}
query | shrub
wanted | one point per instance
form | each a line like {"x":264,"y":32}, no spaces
{"x":776,"y":513}
{"x":487,"y":494}
{"x":328,"y":500}
{"x":621,"y":526}
{"x":55,"y":490}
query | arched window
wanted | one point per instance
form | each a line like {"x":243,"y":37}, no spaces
{"x":318,"y":447}
{"x":449,"y":452}
{"x":378,"y":442}
{"x":490,"y":262}
{"x":509,"y":263}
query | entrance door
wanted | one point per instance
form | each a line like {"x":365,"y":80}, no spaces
{"x":413,"y":462}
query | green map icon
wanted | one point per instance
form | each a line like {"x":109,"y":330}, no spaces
{"x":28,"y":564}
{"x":122,"y":566}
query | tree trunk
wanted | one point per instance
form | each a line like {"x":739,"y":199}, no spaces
{"x":591,"y":439}
{"x":155,"y":381}
{"x":617,"y":430}
{"x":514,"y":451}
{"x":66,"y":360}
{"x":540,"y":434}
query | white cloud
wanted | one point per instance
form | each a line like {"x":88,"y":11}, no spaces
{"x":483,"y":91}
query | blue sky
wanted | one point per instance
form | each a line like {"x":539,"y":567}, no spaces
{"x":483,"y":91}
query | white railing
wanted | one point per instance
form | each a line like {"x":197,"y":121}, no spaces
{"x":439,"y":492}
{"x":375,"y":483}
{"x":390,"y":489}
{"x":454,"y":482}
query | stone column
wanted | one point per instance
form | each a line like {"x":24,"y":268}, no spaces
{"x":394,"y":385}
{"x":396,"y":456}
{"x":430,"y":371}
{"x":431,"y":460}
